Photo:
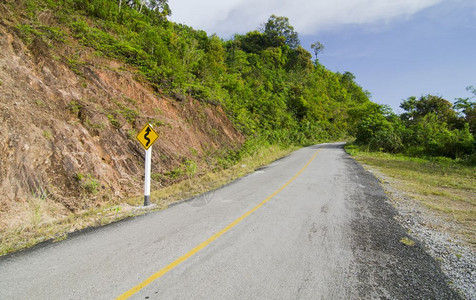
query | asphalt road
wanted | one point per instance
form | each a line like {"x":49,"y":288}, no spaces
{"x":313,"y":225}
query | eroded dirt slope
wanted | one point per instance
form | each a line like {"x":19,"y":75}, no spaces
{"x":68,"y":121}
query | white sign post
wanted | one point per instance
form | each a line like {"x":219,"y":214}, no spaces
{"x":147,"y":136}
{"x":148,"y":155}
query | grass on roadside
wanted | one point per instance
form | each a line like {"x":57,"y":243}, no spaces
{"x":41,"y":226}
{"x":446,"y":187}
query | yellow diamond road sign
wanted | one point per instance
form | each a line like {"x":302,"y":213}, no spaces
{"x":147,"y":136}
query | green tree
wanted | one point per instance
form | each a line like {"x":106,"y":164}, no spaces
{"x":300,"y":59}
{"x":277,"y":28}
{"x":317,"y":47}
{"x":161,"y":7}
{"x":467,"y":107}
{"x":417,"y":109}
{"x":252,"y":42}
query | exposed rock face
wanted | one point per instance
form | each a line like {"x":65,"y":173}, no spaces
{"x":68,"y":120}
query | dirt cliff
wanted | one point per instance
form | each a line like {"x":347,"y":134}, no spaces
{"x":68,"y":121}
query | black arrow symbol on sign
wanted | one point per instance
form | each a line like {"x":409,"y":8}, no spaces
{"x":147,"y":131}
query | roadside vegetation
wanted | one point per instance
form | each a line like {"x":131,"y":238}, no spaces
{"x":428,"y":152}
{"x":431,"y":126}
{"x":269,"y":85}
{"x":447,"y":188}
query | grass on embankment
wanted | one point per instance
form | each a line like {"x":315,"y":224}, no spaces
{"x":444,"y":186}
{"x":34,"y":232}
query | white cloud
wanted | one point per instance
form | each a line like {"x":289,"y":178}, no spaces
{"x":227,"y":17}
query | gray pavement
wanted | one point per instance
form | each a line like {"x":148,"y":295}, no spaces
{"x":329,"y":234}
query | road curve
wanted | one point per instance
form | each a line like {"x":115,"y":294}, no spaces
{"x":313,"y":225}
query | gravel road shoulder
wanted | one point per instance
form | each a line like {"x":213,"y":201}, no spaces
{"x":388,"y":268}
{"x":452,"y":255}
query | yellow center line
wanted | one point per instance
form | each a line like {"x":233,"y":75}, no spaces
{"x":202,"y":245}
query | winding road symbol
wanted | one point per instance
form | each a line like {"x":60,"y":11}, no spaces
{"x":147,"y":131}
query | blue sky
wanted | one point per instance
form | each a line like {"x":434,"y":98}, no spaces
{"x":395,"y":48}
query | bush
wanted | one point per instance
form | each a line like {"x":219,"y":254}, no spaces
{"x":386,"y":140}
{"x":436,"y":139}
{"x":370,"y":126}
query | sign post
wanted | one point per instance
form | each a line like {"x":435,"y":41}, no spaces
{"x":147,"y":136}
{"x":148,"y":161}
